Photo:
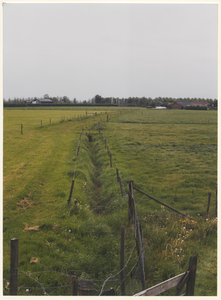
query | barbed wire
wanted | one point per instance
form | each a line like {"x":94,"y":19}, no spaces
{"x":117,"y":272}
{"x":136,"y":263}
{"x":44,"y":288}
{"x":36,"y":281}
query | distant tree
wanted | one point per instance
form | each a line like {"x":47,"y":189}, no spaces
{"x":98,"y":99}
{"x":55,"y":100}
{"x":46,"y":96}
{"x":107,"y":100}
{"x":216,"y":103}
{"x":65,"y":99}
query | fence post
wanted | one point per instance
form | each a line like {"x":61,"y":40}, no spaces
{"x":121,"y":188}
{"x":140,"y":249}
{"x":72,"y":186}
{"x":14,"y":267}
{"x":192,"y":276}
{"x":122,"y":261}
{"x":21,"y":129}
{"x":74,"y":284}
{"x":85,"y":287}
{"x":109,"y":292}
{"x":130,"y":201}
{"x":207,"y":211}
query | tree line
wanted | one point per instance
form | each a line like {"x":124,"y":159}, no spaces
{"x":99,"y":100}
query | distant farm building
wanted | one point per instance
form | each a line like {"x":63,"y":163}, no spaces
{"x":180,"y":105}
{"x":183,"y":105}
{"x":42,"y":101}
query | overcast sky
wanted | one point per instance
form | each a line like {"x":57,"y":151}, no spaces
{"x":114,"y":50}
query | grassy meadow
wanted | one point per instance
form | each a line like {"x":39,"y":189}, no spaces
{"x":170,"y":155}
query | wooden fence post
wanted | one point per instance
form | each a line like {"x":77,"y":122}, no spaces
{"x":192,"y":276}
{"x":74,"y":284}
{"x":109,"y":292}
{"x":140,"y":249}
{"x":14,"y":267}
{"x":85,"y":287}
{"x":121,"y":188}
{"x":207,"y":211}
{"x":130,"y":201}
{"x":21,"y":128}
{"x":72,"y":186}
{"x":122,"y":262}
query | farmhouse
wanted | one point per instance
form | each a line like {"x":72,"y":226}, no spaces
{"x":183,"y":105}
{"x":180,"y":105}
{"x":42,"y":101}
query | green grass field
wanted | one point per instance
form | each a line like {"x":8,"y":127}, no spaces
{"x":171,"y":155}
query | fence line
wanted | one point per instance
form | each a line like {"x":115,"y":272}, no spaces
{"x":133,"y":218}
{"x":71,"y":118}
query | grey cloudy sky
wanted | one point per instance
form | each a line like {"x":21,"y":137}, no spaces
{"x":114,"y":50}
